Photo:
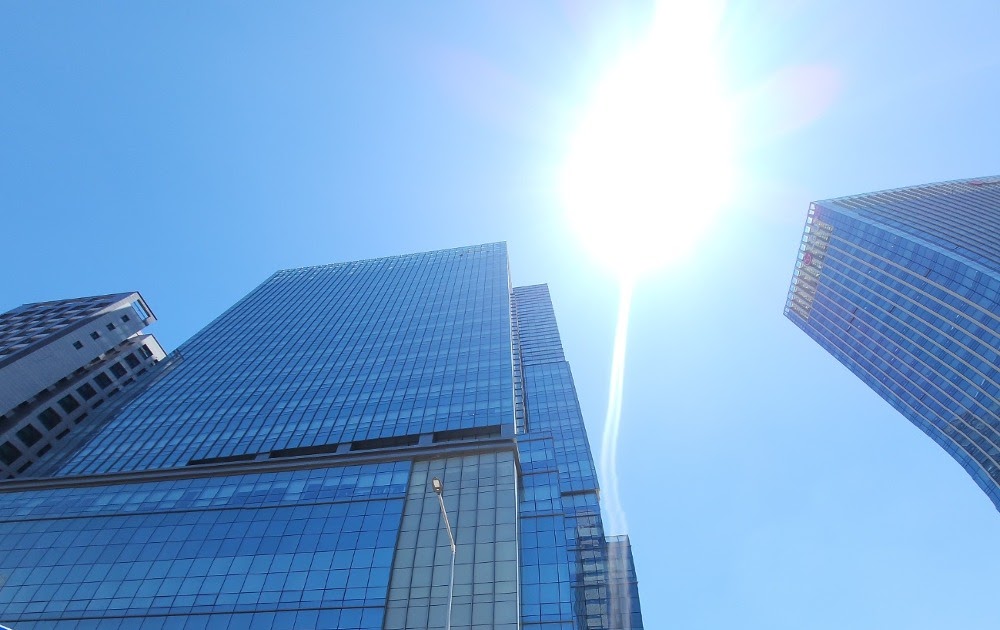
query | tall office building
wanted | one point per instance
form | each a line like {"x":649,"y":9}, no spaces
{"x":903,"y":287}
{"x":280,"y":474}
{"x":60,"y":361}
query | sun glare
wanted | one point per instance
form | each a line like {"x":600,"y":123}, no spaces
{"x":648,"y":168}
{"x":650,"y":162}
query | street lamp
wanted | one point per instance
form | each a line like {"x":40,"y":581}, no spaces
{"x":439,"y":491}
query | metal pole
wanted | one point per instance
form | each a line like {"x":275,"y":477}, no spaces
{"x":451,"y":539}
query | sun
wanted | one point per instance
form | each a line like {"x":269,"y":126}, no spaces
{"x":650,"y":162}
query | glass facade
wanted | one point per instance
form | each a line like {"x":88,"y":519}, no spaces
{"x":338,"y":354}
{"x":276,"y":470}
{"x":562,"y":489}
{"x":206,"y":550}
{"x":903,"y":287}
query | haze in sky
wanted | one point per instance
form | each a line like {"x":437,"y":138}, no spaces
{"x":189,"y":151}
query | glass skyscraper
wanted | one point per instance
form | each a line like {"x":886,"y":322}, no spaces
{"x":275,"y":470}
{"x":903,"y":287}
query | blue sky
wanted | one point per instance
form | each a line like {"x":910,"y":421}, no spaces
{"x":189,"y":150}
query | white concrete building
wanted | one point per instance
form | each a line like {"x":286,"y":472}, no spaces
{"x":60,"y":361}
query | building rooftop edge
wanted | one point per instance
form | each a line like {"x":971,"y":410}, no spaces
{"x":118,"y":296}
{"x":391,"y":257}
{"x":986,"y":179}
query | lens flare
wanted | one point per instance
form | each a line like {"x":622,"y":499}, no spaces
{"x":650,"y":162}
{"x":649,"y":166}
{"x":613,"y":418}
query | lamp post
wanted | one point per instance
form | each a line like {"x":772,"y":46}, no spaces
{"x":439,"y":491}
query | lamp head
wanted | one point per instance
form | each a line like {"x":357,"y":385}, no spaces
{"x":437,"y":485}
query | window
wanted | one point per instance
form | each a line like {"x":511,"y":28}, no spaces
{"x":125,"y":318}
{"x":95,"y":335}
{"x":103,"y":380}
{"x":78,"y":345}
{"x":118,"y":369}
{"x":111,"y":326}
{"x":87,"y":391}
{"x":50,"y":417}
{"x":29,"y":435}
{"x":68,"y":403}
{"x":140,"y":310}
{"x":9,"y":453}
{"x":146,"y":352}
{"x":132,"y":360}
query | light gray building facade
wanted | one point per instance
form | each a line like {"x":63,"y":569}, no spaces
{"x":61,"y":360}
